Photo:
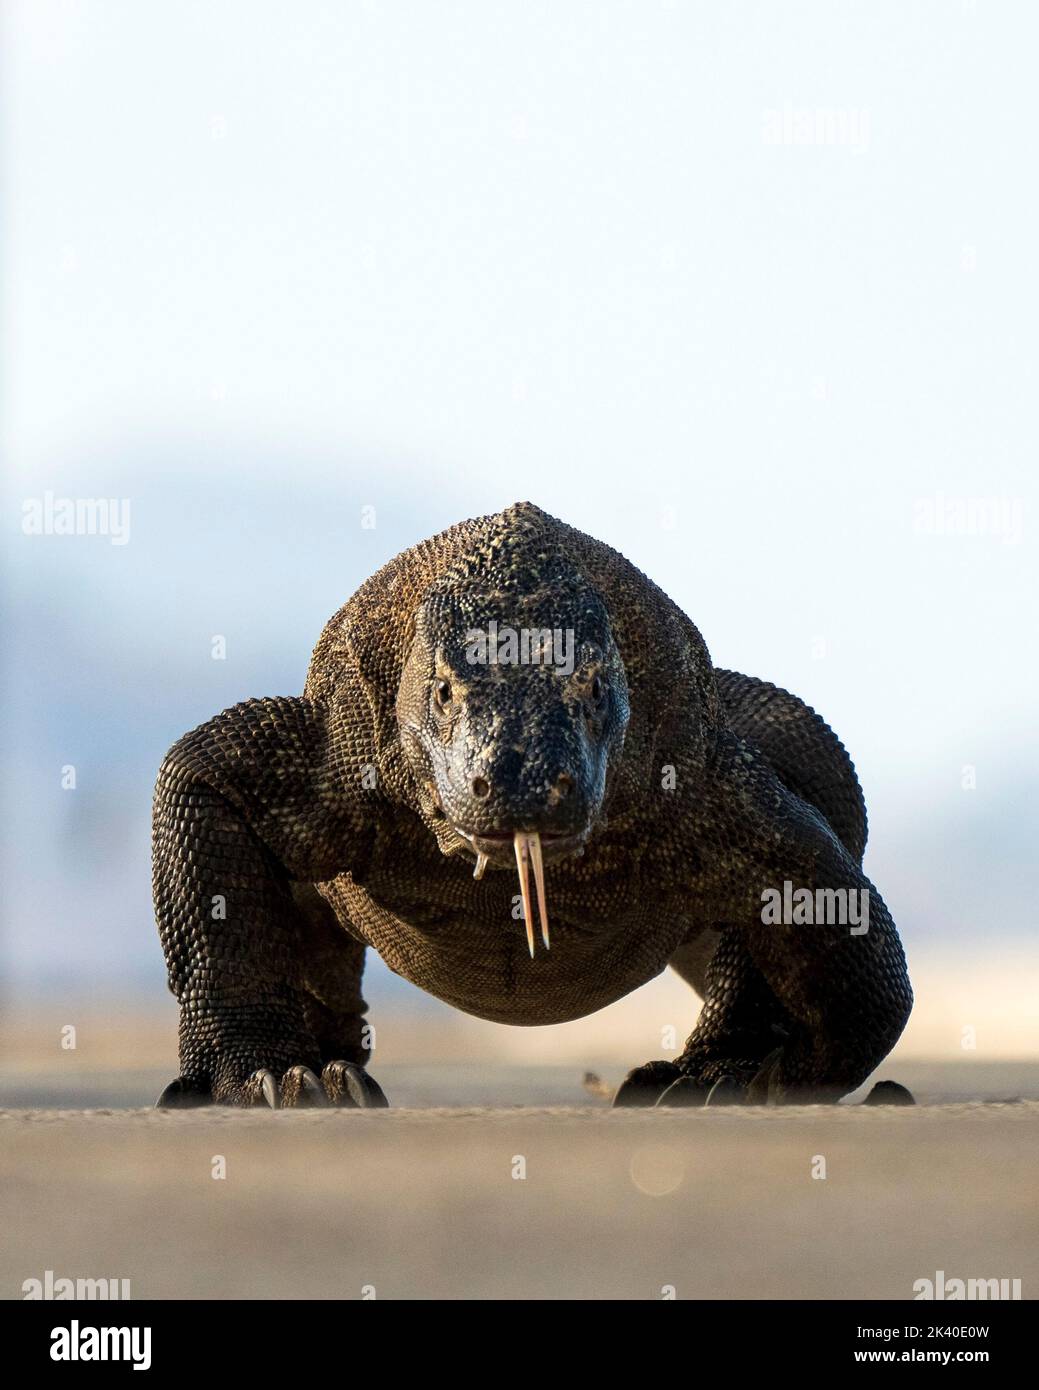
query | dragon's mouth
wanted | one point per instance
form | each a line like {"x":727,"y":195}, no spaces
{"x":530,"y":848}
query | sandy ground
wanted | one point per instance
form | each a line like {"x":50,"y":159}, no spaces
{"x":421,"y":1203}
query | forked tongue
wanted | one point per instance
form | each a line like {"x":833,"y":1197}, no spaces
{"x":527,"y":845}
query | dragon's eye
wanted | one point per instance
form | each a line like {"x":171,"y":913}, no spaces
{"x":596,"y":689}
{"x":442,"y":693}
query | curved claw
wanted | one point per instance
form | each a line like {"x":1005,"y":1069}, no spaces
{"x":687,"y":1091}
{"x":759,"y":1089}
{"x":314,"y":1089}
{"x":301,"y":1088}
{"x":267,"y":1084}
{"x":350,"y":1085}
{"x":726,"y":1091}
{"x":181,"y":1094}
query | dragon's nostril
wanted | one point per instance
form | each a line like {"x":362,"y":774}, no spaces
{"x":564,"y":784}
{"x":480,"y":787}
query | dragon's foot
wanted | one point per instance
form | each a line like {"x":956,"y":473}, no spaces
{"x":341,"y":1084}
{"x":781,"y":1081}
{"x":721,"y":1082}
{"x":645,"y":1085}
{"x":687,"y":1082}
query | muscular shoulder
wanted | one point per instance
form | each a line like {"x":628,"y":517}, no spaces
{"x":284,"y":770}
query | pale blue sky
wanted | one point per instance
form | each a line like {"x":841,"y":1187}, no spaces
{"x":264,"y":265}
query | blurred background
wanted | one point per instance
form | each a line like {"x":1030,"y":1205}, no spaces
{"x":748,"y":292}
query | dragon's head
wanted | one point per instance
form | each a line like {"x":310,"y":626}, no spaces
{"x":512,"y":710}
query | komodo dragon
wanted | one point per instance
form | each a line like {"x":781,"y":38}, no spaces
{"x":513,"y":693}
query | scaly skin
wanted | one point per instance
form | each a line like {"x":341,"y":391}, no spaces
{"x":290,"y":833}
